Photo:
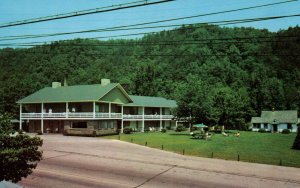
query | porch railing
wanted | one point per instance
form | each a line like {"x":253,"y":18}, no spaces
{"x":91,"y":115}
{"x":129,"y":116}
{"x":72,"y":115}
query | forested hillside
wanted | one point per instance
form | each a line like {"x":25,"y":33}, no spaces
{"x":218,"y":75}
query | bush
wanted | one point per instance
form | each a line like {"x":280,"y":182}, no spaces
{"x":296,"y":144}
{"x":18,"y":156}
{"x":262,"y":130}
{"x":127,"y":130}
{"x":39,"y":132}
{"x":193,"y":129}
{"x":180,"y":128}
{"x":286,"y":131}
{"x":163,"y":130}
{"x":169,"y":128}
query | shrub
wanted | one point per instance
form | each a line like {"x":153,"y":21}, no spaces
{"x":127,"y":130}
{"x":180,"y":128}
{"x":20,"y":131}
{"x":262,"y":130}
{"x":163,"y":130}
{"x":169,"y":128}
{"x":286,"y":131}
{"x":39,"y":132}
{"x":193,"y":129}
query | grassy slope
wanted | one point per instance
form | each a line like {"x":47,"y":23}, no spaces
{"x":255,"y":147}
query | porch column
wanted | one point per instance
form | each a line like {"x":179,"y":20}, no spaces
{"x":109,"y":110}
{"x":143,"y":120}
{"x":67,"y":109}
{"x":42,"y":119}
{"x":160,"y":121}
{"x":94,"y":109}
{"x":122,"y":123}
{"x":20,"y":126}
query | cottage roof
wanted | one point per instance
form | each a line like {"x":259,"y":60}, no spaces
{"x":256,"y":120}
{"x":76,"y":93}
{"x":275,"y":117}
{"x":151,"y":101}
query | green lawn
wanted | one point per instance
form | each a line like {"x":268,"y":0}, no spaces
{"x":267,"y":148}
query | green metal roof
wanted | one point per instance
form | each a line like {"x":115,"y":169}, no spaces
{"x":256,"y":120}
{"x":85,"y":93}
{"x":77,"y":93}
{"x":151,"y":102}
{"x":200,"y":125}
{"x":276,"y":117}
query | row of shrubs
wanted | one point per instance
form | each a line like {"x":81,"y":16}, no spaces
{"x":180,"y":128}
{"x":128,"y":130}
{"x":284,"y":131}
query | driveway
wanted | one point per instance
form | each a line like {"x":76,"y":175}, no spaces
{"x":96,"y":162}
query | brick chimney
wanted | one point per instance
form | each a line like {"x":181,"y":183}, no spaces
{"x":105,"y":81}
{"x":56,"y":84}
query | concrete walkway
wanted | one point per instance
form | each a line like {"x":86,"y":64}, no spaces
{"x":96,"y":162}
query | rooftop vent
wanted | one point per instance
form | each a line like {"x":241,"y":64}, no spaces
{"x":65,"y":82}
{"x":56,"y":84}
{"x":105,"y":82}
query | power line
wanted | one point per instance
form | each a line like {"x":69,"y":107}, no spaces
{"x":84,"y":12}
{"x":145,"y":23}
{"x":223,"y":22}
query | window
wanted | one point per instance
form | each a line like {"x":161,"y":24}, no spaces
{"x":102,"y":125}
{"x":106,"y":124}
{"x":289,"y":126}
{"x":265,"y":126}
{"x":81,"y":125}
{"x":256,"y":125}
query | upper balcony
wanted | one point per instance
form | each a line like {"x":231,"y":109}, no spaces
{"x":91,"y":115}
{"x":72,"y":115}
{"x":89,"y":110}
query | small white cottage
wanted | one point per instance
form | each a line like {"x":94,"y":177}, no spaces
{"x":276,"y":121}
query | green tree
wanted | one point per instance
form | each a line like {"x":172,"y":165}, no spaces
{"x":18,"y":154}
{"x":5,"y":124}
{"x":296,"y":144}
{"x":145,"y":82}
{"x":191,"y":97}
{"x":229,"y":107}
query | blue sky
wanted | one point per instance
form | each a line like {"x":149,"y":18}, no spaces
{"x":25,"y":9}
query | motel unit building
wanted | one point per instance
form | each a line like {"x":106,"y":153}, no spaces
{"x":93,"y":109}
{"x":276,"y":121}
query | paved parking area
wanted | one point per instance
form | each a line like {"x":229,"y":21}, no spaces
{"x":96,"y":162}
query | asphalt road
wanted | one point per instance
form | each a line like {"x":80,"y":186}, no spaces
{"x":95,"y":162}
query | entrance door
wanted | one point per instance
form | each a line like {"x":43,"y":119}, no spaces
{"x":275,"y":128}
